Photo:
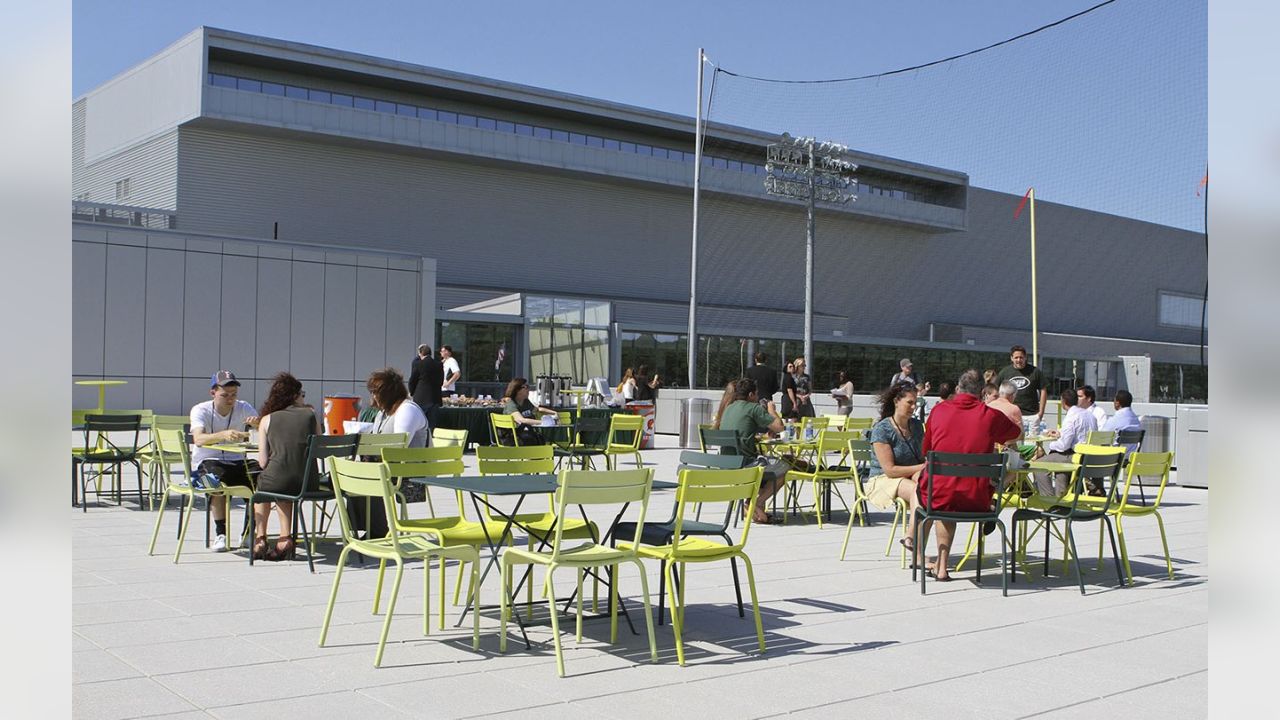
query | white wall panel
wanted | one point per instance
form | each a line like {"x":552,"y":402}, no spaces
{"x":124,"y":341}
{"x":88,"y":294}
{"x":201,"y":324}
{"x":402,"y":319}
{"x":306,"y":327}
{"x":371,"y":320}
{"x":164,"y":395}
{"x":275,"y":282}
{"x":339,"y":321}
{"x":239,"y":314}
{"x":165,"y":293}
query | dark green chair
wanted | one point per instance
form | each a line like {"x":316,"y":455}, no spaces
{"x":99,"y":450}
{"x":315,"y":488}
{"x":1100,"y":468}
{"x":662,"y":533}
{"x":982,"y":467}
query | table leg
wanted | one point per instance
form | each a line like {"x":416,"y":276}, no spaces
{"x":472,"y":605}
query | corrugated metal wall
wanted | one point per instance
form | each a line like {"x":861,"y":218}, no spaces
{"x":164,"y":310}
{"x":151,"y":167}
{"x":511,"y":229}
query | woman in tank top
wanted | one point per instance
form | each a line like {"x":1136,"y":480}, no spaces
{"x":286,"y":429}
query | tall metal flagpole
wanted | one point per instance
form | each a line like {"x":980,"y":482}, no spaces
{"x":1035,"y":317}
{"x":808,"y":268}
{"x":693,"y":256}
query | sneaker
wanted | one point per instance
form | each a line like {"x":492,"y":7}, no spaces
{"x":219,"y":544}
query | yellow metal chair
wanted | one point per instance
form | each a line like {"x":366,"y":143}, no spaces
{"x":445,"y":437}
{"x":499,"y":423}
{"x":705,"y":486}
{"x":586,"y":488}
{"x":532,"y":460}
{"x":370,"y":480}
{"x":1140,"y":464}
{"x":1101,"y":437}
{"x":173,"y":443}
{"x":828,"y":467}
{"x":835,"y":422}
{"x":449,"y":530}
{"x":625,"y":433}
{"x":859,"y":457}
{"x":858,"y":423}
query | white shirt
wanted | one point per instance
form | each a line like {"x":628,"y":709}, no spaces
{"x":1075,"y":429}
{"x":450,"y":367}
{"x":1124,"y":419}
{"x":1099,"y":415}
{"x":408,"y":418}
{"x":204,"y":419}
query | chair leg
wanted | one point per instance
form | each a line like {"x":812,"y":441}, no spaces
{"x":391,"y":609}
{"x":474,"y":591}
{"x":1114,"y":554}
{"x":151,"y":549}
{"x":578,"y":595}
{"x":426,"y":592}
{"x":972,"y":528}
{"x":253,"y":530}
{"x":461,"y":566}
{"x":555,"y":620}
{"x":648,"y":611}
{"x":613,"y":603}
{"x":893,"y":530}
{"x":1004,"y":559}
{"x":1013,"y":566}
{"x":968,"y":548}
{"x":1071,"y":542}
{"x":669,"y":567}
{"x":1048,"y":528}
{"x":662,"y":591}
{"x":377,"y":588}
{"x":1168,"y":561}
{"x":755,"y":602}
{"x":737,"y":586}
{"x":182,"y":534}
{"x":848,"y":530}
{"x":457,"y":585}
{"x":504,"y":605}
{"x":333,"y":595}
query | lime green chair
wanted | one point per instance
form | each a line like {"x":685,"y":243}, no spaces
{"x":369,"y":448}
{"x":705,"y":486}
{"x":449,"y":530}
{"x":859,"y":457}
{"x":370,"y":480}
{"x":625,"y":433}
{"x":858,"y":423}
{"x":835,"y":422}
{"x":532,"y":460}
{"x":445,"y":437}
{"x":1141,"y":464}
{"x":172,"y":443}
{"x":1101,"y":437}
{"x":582,"y":488}
{"x":500,"y":424}
{"x":828,"y":466}
{"x":151,"y":455}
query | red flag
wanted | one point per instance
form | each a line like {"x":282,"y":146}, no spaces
{"x":1203,"y":181}
{"x":1022,"y":204}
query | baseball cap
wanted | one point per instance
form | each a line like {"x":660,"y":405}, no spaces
{"x":904,"y":363}
{"x":223,"y":378}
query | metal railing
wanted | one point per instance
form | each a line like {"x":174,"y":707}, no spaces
{"x":123,"y":215}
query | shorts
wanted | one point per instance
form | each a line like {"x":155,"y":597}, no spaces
{"x":882,"y":490}
{"x":229,"y":472}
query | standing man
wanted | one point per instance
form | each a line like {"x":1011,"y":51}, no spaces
{"x":222,"y":419}
{"x":1085,"y":396}
{"x":426,"y":378}
{"x":452,"y":373}
{"x":765,"y":377}
{"x":1031,"y":394}
{"x":906,"y":373}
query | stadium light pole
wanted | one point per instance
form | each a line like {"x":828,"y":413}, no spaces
{"x":805,"y":169}
{"x":693,"y":254}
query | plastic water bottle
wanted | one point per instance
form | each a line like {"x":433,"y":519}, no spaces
{"x":1043,"y":427}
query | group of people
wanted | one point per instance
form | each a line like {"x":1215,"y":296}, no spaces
{"x":796,"y":387}
{"x":285,"y":423}
{"x":638,"y":385}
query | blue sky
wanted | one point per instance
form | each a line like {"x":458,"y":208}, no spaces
{"x":644,"y":54}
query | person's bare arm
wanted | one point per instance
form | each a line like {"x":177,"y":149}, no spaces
{"x":203,"y":438}
{"x":262,"y":442}
{"x":884,"y":454}
{"x":1044,"y":400}
{"x":520,"y":419}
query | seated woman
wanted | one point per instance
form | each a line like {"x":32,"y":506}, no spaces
{"x":896,"y":459}
{"x":397,"y":413}
{"x":730,"y":389}
{"x":286,"y":429}
{"x":522,"y":411}
{"x":747,"y":416}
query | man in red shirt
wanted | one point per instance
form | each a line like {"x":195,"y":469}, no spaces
{"x":963,"y":424}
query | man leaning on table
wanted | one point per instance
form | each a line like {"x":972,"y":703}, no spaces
{"x":223,"y":419}
{"x":1075,"y":429}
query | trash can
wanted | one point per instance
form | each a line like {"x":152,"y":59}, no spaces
{"x":694,"y":412}
{"x":1159,"y":435}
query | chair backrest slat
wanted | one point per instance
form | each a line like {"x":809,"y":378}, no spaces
{"x":704,"y":460}
{"x":981,"y":466}
{"x":319,"y":449}
{"x":172,"y":441}
{"x":372,"y":443}
{"x":423,"y":462}
{"x":595,"y":487}
{"x":730,"y":486}
{"x":726,"y":441}
{"x":503,"y":426}
{"x":1101,"y":437}
{"x":625,"y":431}
{"x":1096,"y":462}
{"x":441,"y":437}
{"x":361,"y":479}
{"x":507,"y":460}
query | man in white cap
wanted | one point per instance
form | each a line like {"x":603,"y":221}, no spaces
{"x":223,"y":419}
{"x":906,"y":374}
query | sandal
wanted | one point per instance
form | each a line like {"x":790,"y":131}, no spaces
{"x":284,"y":550}
{"x":766,"y":519}
{"x":945,"y":578}
{"x":908,"y":543}
{"x":260,"y":548}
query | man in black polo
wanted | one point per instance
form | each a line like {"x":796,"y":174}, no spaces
{"x":1031,"y":393}
{"x":425,"y":380}
{"x":765,"y":377}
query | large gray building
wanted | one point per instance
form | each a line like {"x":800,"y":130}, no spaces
{"x":323,"y":211}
